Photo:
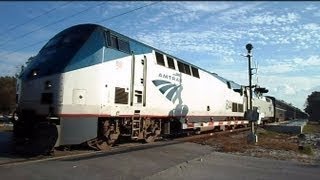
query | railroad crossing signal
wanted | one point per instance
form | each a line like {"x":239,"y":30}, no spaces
{"x":252,"y":137}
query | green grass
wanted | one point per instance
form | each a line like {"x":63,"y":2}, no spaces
{"x":267,"y":133}
{"x":311,"y":128}
{"x":306,"y":150}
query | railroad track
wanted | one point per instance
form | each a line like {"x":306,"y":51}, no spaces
{"x":121,"y":148}
{"x":210,"y":133}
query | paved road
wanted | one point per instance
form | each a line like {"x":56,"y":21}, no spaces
{"x":155,"y":161}
{"x":224,"y":166}
{"x":5,"y":142}
{"x":5,"y":148}
{"x":132,"y":163}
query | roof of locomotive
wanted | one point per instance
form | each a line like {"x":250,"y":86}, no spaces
{"x":146,"y":45}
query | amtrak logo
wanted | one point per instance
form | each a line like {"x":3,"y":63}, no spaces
{"x":170,"y":90}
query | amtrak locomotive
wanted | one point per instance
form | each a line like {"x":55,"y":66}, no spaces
{"x":91,"y":85}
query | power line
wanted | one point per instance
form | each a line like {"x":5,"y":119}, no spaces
{"x":55,"y":22}
{"x":17,"y":50}
{"x":121,"y":14}
{"x":32,"y":19}
{"x":24,"y":47}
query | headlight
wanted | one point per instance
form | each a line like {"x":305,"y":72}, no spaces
{"x":47,"y":85}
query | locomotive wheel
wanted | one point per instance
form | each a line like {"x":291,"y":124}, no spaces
{"x":41,"y":142}
{"x":151,"y":137}
{"x":105,"y":141}
{"x":103,"y":146}
{"x":101,"y":143}
{"x":44,"y":139}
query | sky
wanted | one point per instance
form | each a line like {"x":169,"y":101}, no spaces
{"x":211,"y":35}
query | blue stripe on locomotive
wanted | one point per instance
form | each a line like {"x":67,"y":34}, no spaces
{"x":91,"y":52}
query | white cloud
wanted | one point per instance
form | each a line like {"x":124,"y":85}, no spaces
{"x":296,"y":37}
{"x":207,"y":42}
{"x":276,"y":66}
{"x":223,"y":18}
{"x":311,"y":61}
{"x":205,"y":6}
{"x":108,"y":9}
{"x":286,"y":89}
{"x":290,"y":89}
{"x":187,"y":17}
{"x":311,"y":7}
{"x":271,"y":19}
{"x":311,"y":27}
{"x":240,"y":12}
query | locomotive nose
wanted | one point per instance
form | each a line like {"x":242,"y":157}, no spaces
{"x":40,"y":95}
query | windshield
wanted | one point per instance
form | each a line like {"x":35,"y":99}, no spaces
{"x":58,"y":52}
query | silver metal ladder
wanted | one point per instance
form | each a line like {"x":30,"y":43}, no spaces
{"x":136,"y":125}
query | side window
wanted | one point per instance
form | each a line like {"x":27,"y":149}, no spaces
{"x":170,"y":63}
{"x":138,"y":95}
{"x":228,"y":84}
{"x":121,"y":96}
{"x":234,"y":107}
{"x":240,"y":107}
{"x":160,"y":59}
{"x":187,"y":69}
{"x":181,"y":67}
{"x":195,"y":72}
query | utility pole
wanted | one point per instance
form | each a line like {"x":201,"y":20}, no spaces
{"x":252,"y":137}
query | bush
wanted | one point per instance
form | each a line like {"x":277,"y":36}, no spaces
{"x":306,"y":150}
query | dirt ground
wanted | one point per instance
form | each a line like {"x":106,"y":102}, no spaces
{"x":301,"y":148}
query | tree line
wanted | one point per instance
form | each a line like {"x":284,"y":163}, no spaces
{"x":7,"y":94}
{"x":313,"y":106}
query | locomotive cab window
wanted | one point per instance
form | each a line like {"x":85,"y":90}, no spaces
{"x":124,"y":45}
{"x":160,"y":59}
{"x":117,"y":43}
{"x":53,"y":42}
{"x":114,"y":42}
